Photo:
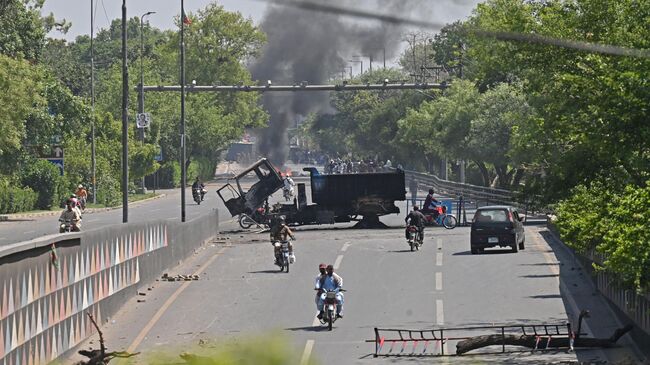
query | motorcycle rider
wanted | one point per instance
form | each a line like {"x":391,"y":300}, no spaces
{"x":198,"y":185}
{"x":416,"y":219}
{"x":330,"y":281}
{"x":76,"y":205}
{"x":279,"y":233}
{"x":429,"y":205}
{"x":82,"y":194}
{"x":72,"y":214}
{"x":288,"y":186}
{"x":321,"y":272}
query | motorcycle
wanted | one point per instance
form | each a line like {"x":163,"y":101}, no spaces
{"x":197,"y":194}
{"x":329,"y":309}
{"x":442,"y":218}
{"x":258,"y":218}
{"x":414,"y":237}
{"x":66,"y":226}
{"x":283,"y":257}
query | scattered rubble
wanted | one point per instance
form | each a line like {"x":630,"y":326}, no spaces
{"x":166,"y":277}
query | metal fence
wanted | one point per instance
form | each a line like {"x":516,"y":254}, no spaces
{"x":478,"y":195}
{"x":634,"y":305}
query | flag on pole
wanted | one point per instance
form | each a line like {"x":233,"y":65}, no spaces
{"x":186,"y":19}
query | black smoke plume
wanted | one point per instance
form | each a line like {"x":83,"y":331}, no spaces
{"x":314,"y":47}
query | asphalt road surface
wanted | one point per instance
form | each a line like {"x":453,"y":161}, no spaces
{"x":241,"y":294}
{"x":167,"y":207}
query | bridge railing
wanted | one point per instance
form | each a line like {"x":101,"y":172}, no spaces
{"x":49,"y":284}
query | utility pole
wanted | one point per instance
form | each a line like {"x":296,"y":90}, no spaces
{"x":370,"y":57}
{"x":92,"y":101}
{"x":415,"y":66}
{"x":141,"y":93}
{"x":182,"y":131}
{"x":125,"y":122}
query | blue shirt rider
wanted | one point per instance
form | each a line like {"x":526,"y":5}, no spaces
{"x":332,"y":282}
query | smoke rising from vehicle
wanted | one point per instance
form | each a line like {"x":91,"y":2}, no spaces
{"x":314,"y":47}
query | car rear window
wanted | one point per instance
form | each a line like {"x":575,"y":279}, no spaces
{"x":491,"y":215}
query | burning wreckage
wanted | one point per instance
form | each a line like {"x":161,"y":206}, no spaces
{"x":335,"y":198}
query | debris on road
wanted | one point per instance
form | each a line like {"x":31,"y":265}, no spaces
{"x":179,"y":277}
{"x":100,"y":357}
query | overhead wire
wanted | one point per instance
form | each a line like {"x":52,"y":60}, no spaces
{"x":504,"y":36}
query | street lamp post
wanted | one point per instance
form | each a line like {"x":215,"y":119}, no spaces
{"x":92,"y":101}
{"x":141,"y":94}
{"x":182,"y":129}
{"x":357,"y":61}
{"x":125,"y":122}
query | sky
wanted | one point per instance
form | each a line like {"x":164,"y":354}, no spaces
{"x":78,"y":11}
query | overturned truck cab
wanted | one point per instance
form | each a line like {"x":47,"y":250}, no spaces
{"x":360,"y":197}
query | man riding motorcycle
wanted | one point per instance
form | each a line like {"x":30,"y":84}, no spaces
{"x":279,"y":233}
{"x":198,"y":186}
{"x":288,"y":187}
{"x":82,"y":195}
{"x":332,"y":282}
{"x":417,"y":219}
{"x":430,"y":203}
{"x":321,"y":272}
{"x":70,"y":214}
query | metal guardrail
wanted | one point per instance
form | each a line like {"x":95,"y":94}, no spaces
{"x":635,"y":306}
{"x":481,"y":195}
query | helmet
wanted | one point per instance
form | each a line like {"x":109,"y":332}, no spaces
{"x":330,"y":267}
{"x":415,"y":207}
{"x":430,"y":191}
{"x":282,"y":218}
{"x":80,"y":186}
{"x":322,"y":266}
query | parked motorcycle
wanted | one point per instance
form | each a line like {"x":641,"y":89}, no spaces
{"x":329,"y":309}
{"x":258,"y":217}
{"x":283,"y":257}
{"x":414,"y":237}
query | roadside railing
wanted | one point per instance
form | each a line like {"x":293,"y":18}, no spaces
{"x":633,"y":305}
{"x":478,"y":195}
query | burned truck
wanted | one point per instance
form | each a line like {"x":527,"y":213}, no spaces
{"x":360,"y":197}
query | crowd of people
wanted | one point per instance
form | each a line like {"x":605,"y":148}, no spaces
{"x":356,"y":166}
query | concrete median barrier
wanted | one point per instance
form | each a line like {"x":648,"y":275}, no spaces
{"x":47,"y":285}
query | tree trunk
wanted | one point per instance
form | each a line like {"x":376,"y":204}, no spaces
{"x":484,"y":172}
{"x":477,"y":342}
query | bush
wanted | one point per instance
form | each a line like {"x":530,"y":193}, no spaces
{"x":613,"y":223}
{"x":45,"y":179}
{"x":14,"y":200}
{"x":108,"y":190}
{"x":169,"y":175}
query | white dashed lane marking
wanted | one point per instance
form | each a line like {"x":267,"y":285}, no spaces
{"x":345,"y":246}
{"x":439,"y":259}
{"x":439,"y":282}
{"x":337,"y":263}
{"x":307,"y":353}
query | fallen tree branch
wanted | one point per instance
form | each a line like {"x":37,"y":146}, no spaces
{"x":477,"y":342}
{"x":100,"y":357}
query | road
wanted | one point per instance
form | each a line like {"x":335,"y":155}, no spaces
{"x":241,"y":294}
{"x":167,"y":207}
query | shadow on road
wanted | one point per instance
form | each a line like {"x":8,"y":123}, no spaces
{"x":307,"y":329}
{"x":276,"y":271}
{"x":540,"y":276}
